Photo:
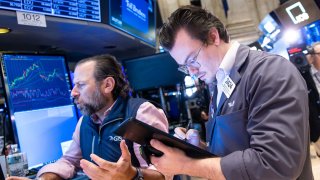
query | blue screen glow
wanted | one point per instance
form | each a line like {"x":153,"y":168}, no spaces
{"x":135,"y":13}
{"x":311,"y":33}
{"x":41,"y":109}
{"x":37,"y":82}
{"x":75,"y":9}
{"x":135,"y":17}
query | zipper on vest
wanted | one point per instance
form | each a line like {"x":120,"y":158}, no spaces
{"x":101,"y":127}
{"x":92,"y":145}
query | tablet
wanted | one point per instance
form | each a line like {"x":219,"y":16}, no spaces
{"x":141,"y":133}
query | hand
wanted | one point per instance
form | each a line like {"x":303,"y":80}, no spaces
{"x":121,"y":170}
{"x":17,"y":178}
{"x":192,"y":136}
{"x":204,"y":116}
{"x":45,"y":176}
{"x":180,"y":132}
{"x":50,"y":176}
{"x":171,"y":162}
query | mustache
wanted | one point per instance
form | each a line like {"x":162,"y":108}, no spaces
{"x":75,"y":100}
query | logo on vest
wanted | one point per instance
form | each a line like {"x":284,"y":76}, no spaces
{"x":115,"y":138}
{"x":231,"y":104}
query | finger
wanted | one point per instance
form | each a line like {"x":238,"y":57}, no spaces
{"x":192,"y":132}
{"x":125,"y":151}
{"x":104,"y":164}
{"x":159,"y":146}
{"x":90,"y":169}
{"x":181,"y":129}
{"x":180,"y":132}
{"x":16,"y":178}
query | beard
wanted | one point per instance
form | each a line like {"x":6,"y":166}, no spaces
{"x":96,"y":102}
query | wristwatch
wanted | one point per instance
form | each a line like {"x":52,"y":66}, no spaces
{"x":139,"y":175}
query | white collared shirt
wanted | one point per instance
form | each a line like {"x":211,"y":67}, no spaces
{"x":225,"y":67}
{"x":316,"y":77}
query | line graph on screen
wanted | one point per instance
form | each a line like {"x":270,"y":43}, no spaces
{"x":36,"y":84}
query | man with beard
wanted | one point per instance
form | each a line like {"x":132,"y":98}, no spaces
{"x":311,"y":73}
{"x":101,"y":92}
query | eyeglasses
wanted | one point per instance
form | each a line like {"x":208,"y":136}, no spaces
{"x":190,"y":63}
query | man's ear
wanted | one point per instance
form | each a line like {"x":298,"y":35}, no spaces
{"x":108,"y":85}
{"x":214,"y":37}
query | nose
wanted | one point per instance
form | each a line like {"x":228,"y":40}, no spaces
{"x":74,"y":92}
{"x":193,"y":70}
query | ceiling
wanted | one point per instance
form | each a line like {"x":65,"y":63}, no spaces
{"x":74,"y":38}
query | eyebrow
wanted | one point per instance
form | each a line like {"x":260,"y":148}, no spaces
{"x":78,"y":82}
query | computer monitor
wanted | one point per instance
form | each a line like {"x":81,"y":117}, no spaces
{"x":135,"y":17}
{"x":153,"y":71}
{"x":270,"y":26}
{"x":37,"y":89}
{"x":311,"y":33}
{"x":88,"y":10}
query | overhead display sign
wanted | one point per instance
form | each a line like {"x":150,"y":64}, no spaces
{"x":76,"y":9}
{"x":135,"y":17}
{"x":298,"y":13}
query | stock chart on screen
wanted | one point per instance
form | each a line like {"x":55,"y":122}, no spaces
{"x":36,"y":82}
{"x":37,"y":89}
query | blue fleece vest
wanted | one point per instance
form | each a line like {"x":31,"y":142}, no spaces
{"x":101,"y":140}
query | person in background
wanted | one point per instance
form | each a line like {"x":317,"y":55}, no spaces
{"x":101,"y":92}
{"x":199,"y":112}
{"x":311,"y":74}
{"x":258,"y":121}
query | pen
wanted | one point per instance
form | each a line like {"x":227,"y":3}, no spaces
{"x":189,"y":126}
{"x":193,"y":136}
